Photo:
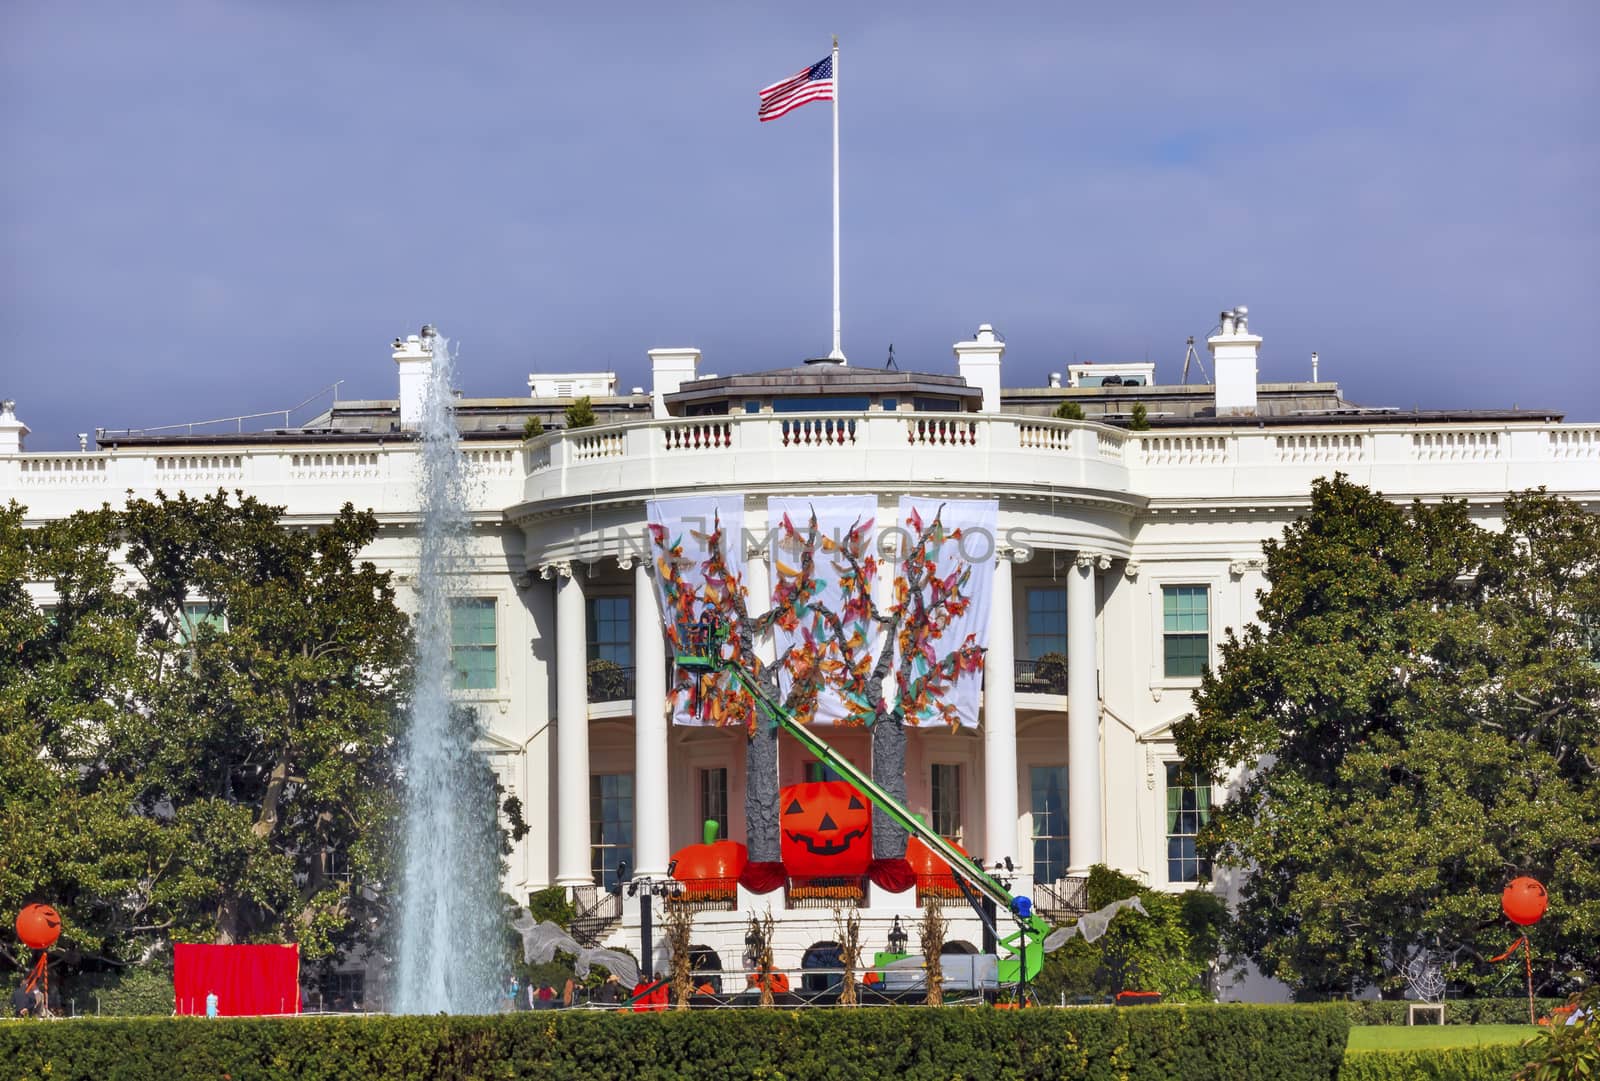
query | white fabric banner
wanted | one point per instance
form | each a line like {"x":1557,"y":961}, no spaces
{"x":948,"y":546}
{"x":824,"y":559}
{"x":693,"y":582}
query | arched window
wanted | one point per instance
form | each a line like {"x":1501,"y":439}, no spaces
{"x":823,"y":955}
{"x":705,"y":967}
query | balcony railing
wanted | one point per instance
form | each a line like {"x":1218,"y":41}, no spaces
{"x":1005,"y":449}
{"x":610,"y":682}
{"x":1063,"y":897}
{"x":1046,"y":675}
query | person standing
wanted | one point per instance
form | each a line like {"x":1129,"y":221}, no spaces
{"x":211,"y":1004}
{"x":511,"y":995}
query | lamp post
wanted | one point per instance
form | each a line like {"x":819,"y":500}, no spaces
{"x":646,"y":888}
{"x":897,"y":938}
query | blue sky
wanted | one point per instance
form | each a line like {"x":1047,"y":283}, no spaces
{"x":218,"y":208}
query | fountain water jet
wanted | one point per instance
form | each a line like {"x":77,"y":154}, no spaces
{"x":450,"y":925}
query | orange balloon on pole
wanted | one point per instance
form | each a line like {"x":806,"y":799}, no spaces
{"x":38,"y":926}
{"x":1524,"y":901}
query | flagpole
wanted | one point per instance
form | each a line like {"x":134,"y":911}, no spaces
{"x":838,"y":352}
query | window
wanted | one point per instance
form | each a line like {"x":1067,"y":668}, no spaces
{"x":1185,"y":630}
{"x":1188,"y":808}
{"x":832,"y":403}
{"x":1047,"y":621}
{"x":472,"y":643}
{"x":946,"y":801}
{"x":752,"y":405}
{"x":817,"y":771}
{"x":611,"y":630}
{"x":1047,"y":786}
{"x":714,"y":798}
{"x":890,"y":405}
{"x":343,"y":990}
{"x":934,"y":405}
{"x":197,"y":614}
{"x":610,"y":825}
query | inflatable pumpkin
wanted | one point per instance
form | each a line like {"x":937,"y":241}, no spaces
{"x":39,"y":926}
{"x":826,"y":829}
{"x":933,"y":873}
{"x":712,"y":868}
{"x":1524,"y":901}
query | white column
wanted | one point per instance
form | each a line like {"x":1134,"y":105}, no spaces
{"x":652,"y":845}
{"x":572,"y":731}
{"x":1083,"y":721}
{"x":1000,"y":724}
{"x":758,"y":591}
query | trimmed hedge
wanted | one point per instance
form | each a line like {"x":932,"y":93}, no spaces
{"x":1494,"y":1062}
{"x":1457,"y":1011}
{"x":1154,"y":1043}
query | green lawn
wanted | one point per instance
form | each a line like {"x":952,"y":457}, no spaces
{"x":1413,"y":1037}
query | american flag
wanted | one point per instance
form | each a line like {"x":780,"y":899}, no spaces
{"x":813,"y":84}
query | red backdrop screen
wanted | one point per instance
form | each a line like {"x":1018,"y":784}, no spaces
{"x":248,"y":980}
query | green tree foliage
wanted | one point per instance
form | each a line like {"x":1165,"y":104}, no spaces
{"x":1139,"y":418}
{"x":174,"y":773}
{"x":1419,"y":705}
{"x":1170,"y":949}
{"x":580,"y":414}
{"x":1069,"y":411}
{"x":532,"y":428}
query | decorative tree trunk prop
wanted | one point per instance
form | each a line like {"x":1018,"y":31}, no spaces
{"x":933,"y":928}
{"x":848,"y":928}
{"x":680,"y":927}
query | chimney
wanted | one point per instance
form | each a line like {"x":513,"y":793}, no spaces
{"x":12,"y":430}
{"x":669,"y":370}
{"x":414,"y":357}
{"x":978,"y":361}
{"x":1234,"y":351}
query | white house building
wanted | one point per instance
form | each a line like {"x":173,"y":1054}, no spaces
{"x":1122,"y":555}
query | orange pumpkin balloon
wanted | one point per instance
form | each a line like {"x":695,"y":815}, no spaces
{"x":712,"y":868}
{"x":1524,"y":901}
{"x":932,"y":870}
{"x":38,"y":926}
{"x":826,"y":830}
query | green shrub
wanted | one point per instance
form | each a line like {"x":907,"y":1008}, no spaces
{"x":1457,"y":1011}
{"x":532,"y":428}
{"x":1496,"y":1062}
{"x":1069,"y":411}
{"x":141,"y":991}
{"x":1237,"y":1043}
{"x":580,"y":414}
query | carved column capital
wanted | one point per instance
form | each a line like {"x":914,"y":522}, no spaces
{"x":1085,"y":560}
{"x":1131,"y":569}
{"x":625,"y":562}
{"x":560,"y":567}
{"x":1102,"y":562}
{"x":1240,"y":567}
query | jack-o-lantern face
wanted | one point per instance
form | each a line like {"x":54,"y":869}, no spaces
{"x":38,"y":926}
{"x":1524,"y":901}
{"x":826,"y":830}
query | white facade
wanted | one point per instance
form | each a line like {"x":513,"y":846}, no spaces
{"x":1140,"y":546}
